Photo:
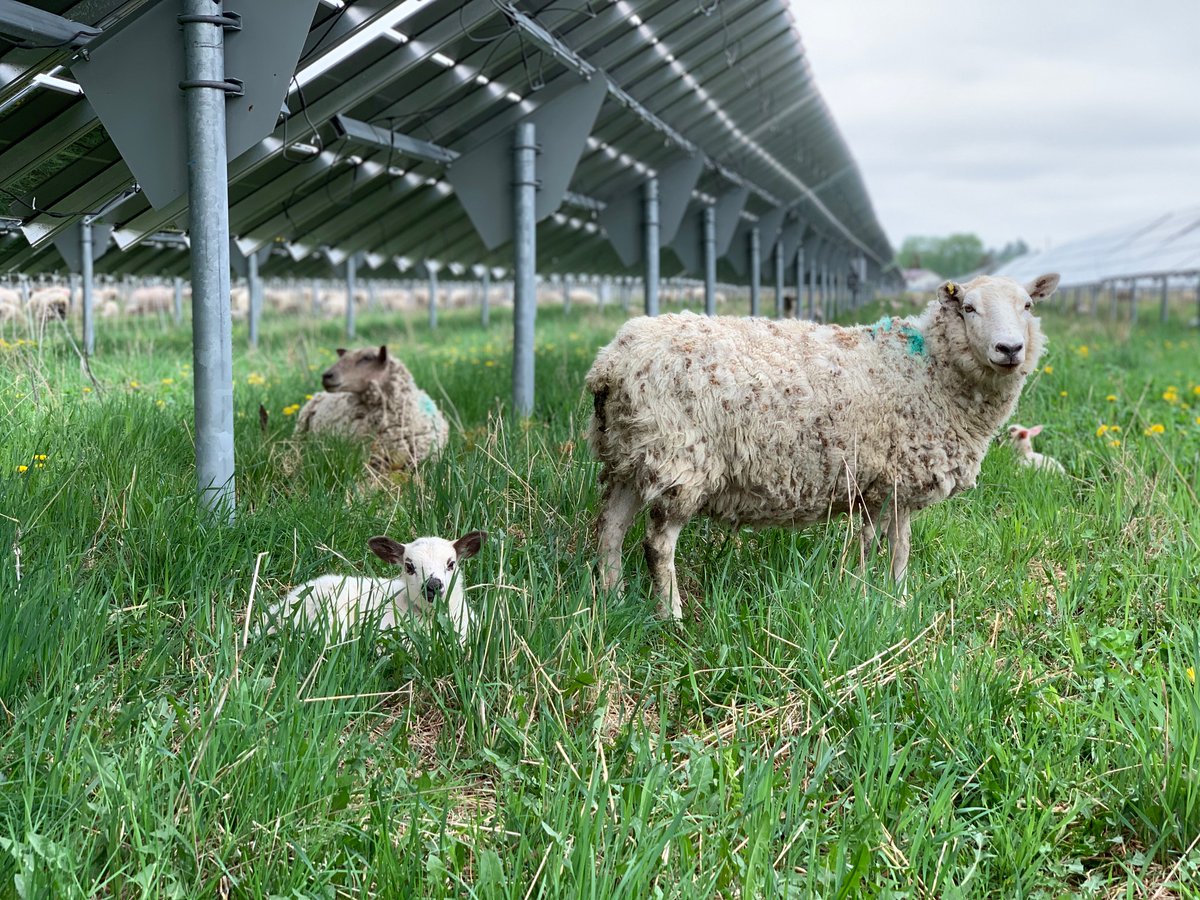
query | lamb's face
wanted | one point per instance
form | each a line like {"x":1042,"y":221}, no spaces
{"x":1021,"y":438}
{"x":428,"y":564}
{"x":356,"y":369}
{"x":997,"y":318}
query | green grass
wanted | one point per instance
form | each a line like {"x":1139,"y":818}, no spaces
{"x":1026,"y":724}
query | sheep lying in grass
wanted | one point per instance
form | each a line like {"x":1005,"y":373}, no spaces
{"x":370,"y":395}
{"x":1021,"y":439}
{"x":429,"y":580}
{"x":782,"y":423}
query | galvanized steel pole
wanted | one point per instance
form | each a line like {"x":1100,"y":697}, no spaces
{"x":433,"y":295}
{"x":799,"y":280}
{"x":650,"y":229}
{"x":208,"y":212}
{"x":484,"y":310}
{"x":178,"y":300}
{"x":1164,"y":312}
{"x":254,"y":286}
{"x":755,"y":273}
{"x":85,"y":275}
{"x":566,"y":292}
{"x":812,"y":283}
{"x":524,"y":264}
{"x":351,"y":276}
{"x":779,"y":279}
{"x":710,"y":260}
{"x":1133,"y":301}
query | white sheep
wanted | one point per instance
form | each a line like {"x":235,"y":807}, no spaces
{"x":765,"y":422}
{"x":1021,"y":439}
{"x":429,"y":580}
{"x":370,"y":395}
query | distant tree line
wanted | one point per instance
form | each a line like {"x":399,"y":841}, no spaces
{"x":956,"y":255}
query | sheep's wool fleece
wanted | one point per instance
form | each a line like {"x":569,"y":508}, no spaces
{"x":782,"y":422}
{"x":400,"y":420}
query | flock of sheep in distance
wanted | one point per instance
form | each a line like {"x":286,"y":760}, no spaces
{"x":750,"y":421}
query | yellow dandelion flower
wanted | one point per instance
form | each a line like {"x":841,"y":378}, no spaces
{"x":160,"y":403}
{"x":1111,"y":398}
{"x":22,"y":468}
{"x":135,"y":384}
{"x":291,"y":410}
{"x":1049,"y":370}
{"x":41,"y":457}
{"x":490,"y":362}
{"x":1156,"y":428}
{"x":255,"y":379}
{"x":1170,"y":396}
{"x":87,"y":390}
{"x":1083,"y":350}
{"x":39,"y":465}
{"x":1101,"y":431}
{"x":1062,"y":393}
{"x":168,"y":381}
{"x":1114,"y":443}
{"x":1114,"y":427}
{"x":308,"y":396}
{"x":1196,"y":389}
{"x":1191,"y":673}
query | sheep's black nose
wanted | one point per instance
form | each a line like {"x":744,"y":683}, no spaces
{"x":328,"y":382}
{"x":433,"y":589}
{"x":1010,"y":349}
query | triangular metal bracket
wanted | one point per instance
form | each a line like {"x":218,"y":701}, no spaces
{"x":68,"y":244}
{"x":482,"y":177}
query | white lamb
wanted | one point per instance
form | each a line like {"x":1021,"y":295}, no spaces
{"x":765,"y":422}
{"x":371,"y":395}
{"x":1021,"y":439}
{"x":341,"y":603}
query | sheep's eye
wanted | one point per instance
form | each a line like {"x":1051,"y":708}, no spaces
{"x":969,"y":308}
{"x":449,"y":565}
{"x":1029,"y":305}
{"x":362,"y":362}
{"x":410,"y":568}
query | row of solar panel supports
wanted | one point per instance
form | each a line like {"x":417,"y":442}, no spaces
{"x":1086,"y":298}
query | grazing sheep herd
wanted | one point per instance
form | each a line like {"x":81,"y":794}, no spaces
{"x":749,"y":421}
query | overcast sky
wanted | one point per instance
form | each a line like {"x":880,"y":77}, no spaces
{"x":1042,"y":119}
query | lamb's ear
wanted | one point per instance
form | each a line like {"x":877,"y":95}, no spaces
{"x":383,"y":353}
{"x":1042,"y":286}
{"x":951,"y":293}
{"x":386,"y":549}
{"x":468,"y":545}
{"x":1035,"y":430}
{"x":341,"y":351}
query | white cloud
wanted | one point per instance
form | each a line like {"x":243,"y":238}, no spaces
{"x":1045,"y":120}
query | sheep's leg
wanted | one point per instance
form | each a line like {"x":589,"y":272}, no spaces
{"x":866,"y":539}
{"x":621,"y":505}
{"x":662,"y":533}
{"x":899,"y":539}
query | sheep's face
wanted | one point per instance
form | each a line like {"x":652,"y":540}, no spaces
{"x":429,"y":564}
{"x":356,"y":369}
{"x":997,"y":319}
{"x":1021,"y":438}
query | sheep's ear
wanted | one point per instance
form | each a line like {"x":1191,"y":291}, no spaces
{"x":1023,"y":433}
{"x":341,"y":351}
{"x":386,"y":549}
{"x":383,"y":353}
{"x":468,"y":545}
{"x":1042,"y":286}
{"x":1035,"y":430}
{"x":951,"y":293}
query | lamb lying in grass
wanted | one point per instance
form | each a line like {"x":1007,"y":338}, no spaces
{"x":1021,"y":439}
{"x":370,"y":395}
{"x":430,"y":579}
{"x":761,"y":423}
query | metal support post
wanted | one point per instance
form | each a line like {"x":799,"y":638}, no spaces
{"x":1164,"y":311}
{"x":779,"y":279}
{"x":710,"y":261}
{"x":755,"y":273}
{"x":525,"y":264}
{"x":178,"y":300}
{"x":1133,"y":301}
{"x":799,"y":281}
{"x":826,"y":311}
{"x":650,"y":251}
{"x":351,"y":277}
{"x":566,"y":292}
{"x":208,"y":212}
{"x":1112,"y":310}
{"x":315,"y":308}
{"x":433,"y":296}
{"x":89,"y":312}
{"x":626,"y":296}
{"x":485,"y":300}
{"x":255,"y":288}
{"x":812,"y":285}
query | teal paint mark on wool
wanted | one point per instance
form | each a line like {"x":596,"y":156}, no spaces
{"x":426,"y":404}
{"x":914,"y":339}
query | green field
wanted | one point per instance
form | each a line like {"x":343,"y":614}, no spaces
{"x":1026,"y":724}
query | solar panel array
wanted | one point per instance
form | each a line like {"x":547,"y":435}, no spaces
{"x":725,"y":79}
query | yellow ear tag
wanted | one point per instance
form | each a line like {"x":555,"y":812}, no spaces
{"x":951,"y":288}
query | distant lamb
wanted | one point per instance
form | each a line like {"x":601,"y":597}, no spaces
{"x":370,"y":395}
{"x":1021,"y":439}
{"x":764,"y":422}
{"x":430,"y":579}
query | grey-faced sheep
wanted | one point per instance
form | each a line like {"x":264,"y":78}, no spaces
{"x":370,"y":395}
{"x":782,"y":423}
{"x":429,"y":579}
{"x":1021,"y":439}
